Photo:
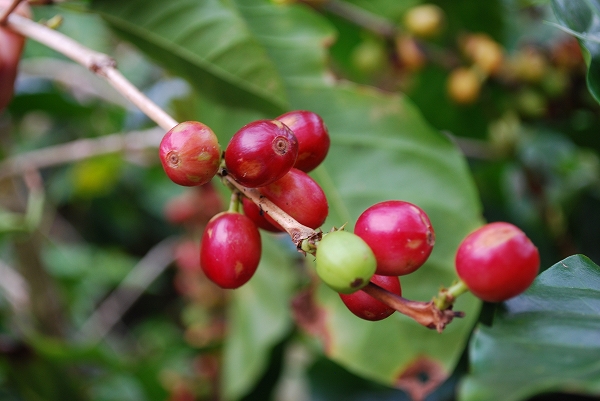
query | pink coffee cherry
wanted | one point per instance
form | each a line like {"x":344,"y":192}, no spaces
{"x":261,"y":152}
{"x":230,"y":250}
{"x":497,"y":262}
{"x":190,"y":153}
{"x":313,"y":137}
{"x":400,"y":235}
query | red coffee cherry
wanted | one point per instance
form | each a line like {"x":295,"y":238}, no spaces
{"x":186,"y":255}
{"x":400,"y":235}
{"x":297,"y":194}
{"x":312,"y":135}
{"x":261,"y":152}
{"x":230,"y":249}
{"x":365,"y":306}
{"x":497,"y":262}
{"x":190,"y":153}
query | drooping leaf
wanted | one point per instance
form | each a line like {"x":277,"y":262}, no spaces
{"x":546,"y":339}
{"x":231,"y":67}
{"x":381,"y":149}
{"x":259,"y":317}
{"x":582,"y":19}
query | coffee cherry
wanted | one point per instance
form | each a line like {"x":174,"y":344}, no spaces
{"x":11,"y":47}
{"x":230,"y":249}
{"x":344,"y":262}
{"x":365,"y":306}
{"x":400,"y":235}
{"x":312,"y":135}
{"x":261,"y":152}
{"x":190,"y":153}
{"x":463,"y":85}
{"x":297,"y":194}
{"x":484,"y":51}
{"x":186,"y":255}
{"x":425,"y":20}
{"x":497,"y":262}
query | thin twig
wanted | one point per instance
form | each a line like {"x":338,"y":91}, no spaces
{"x":15,"y":288}
{"x":99,"y":63}
{"x":8,"y":11}
{"x":363,"y":18}
{"x":297,"y":231}
{"x":80,"y":149}
{"x":109,"y":312}
{"x":424,"y":313}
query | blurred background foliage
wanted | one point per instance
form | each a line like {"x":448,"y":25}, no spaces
{"x":486,"y":116}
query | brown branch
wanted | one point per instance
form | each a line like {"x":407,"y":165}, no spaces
{"x":80,"y":149}
{"x":424,"y":313}
{"x":361,"y":17}
{"x":297,"y":231}
{"x":99,"y":63}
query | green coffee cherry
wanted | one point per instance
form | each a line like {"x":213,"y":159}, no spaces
{"x":345,"y":262}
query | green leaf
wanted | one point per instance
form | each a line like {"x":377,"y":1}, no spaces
{"x":582,"y":19}
{"x":546,"y":340}
{"x":259,"y":317}
{"x":231,"y":67}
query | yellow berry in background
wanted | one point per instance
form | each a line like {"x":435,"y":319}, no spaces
{"x":426,"y":20}
{"x":483,"y":51}
{"x":463,"y":85}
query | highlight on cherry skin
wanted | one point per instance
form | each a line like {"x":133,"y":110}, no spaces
{"x":344,"y":262}
{"x":313,"y":137}
{"x":190,"y":153}
{"x":365,"y":306}
{"x":230,"y":249}
{"x":497,"y":262}
{"x":261,"y":152}
{"x":400,"y":235}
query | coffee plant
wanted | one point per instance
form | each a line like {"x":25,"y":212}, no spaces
{"x":298,"y":200}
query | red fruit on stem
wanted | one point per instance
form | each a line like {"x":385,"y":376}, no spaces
{"x":400,"y":235}
{"x":190,"y":153}
{"x":297,"y":194}
{"x":257,"y":216}
{"x":312,"y":135}
{"x":261,"y":152}
{"x":230,"y":249}
{"x":497,"y":262}
{"x":11,"y":47}
{"x":365,"y":306}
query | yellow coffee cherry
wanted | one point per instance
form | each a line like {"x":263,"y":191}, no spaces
{"x":426,"y":20}
{"x":464,"y":85}
{"x":484,"y":52}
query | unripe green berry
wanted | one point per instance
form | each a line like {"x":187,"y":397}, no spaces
{"x":345,"y":262}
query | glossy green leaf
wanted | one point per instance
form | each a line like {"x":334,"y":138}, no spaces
{"x":546,"y":339}
{"x":382,"y":148}
{"x":259,"y":317}
{"x":582,"y":19}
{"x":231,"y":67}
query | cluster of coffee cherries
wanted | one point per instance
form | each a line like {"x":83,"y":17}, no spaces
{"x":390,"y":239}
{"x":271,"y":156}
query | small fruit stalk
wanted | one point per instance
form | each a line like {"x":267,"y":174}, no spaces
{"x":190,"y":153}
{"x":11,"y":47}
